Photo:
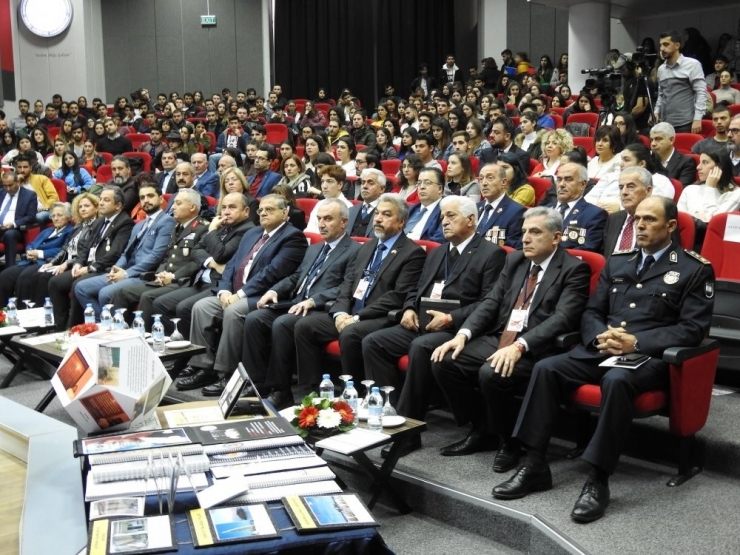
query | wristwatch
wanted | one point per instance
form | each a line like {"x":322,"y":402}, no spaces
{"x":636,"y":346}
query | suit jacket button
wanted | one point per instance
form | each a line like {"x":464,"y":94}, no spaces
{"x":633,"y":305}
{"x":639,"y":286}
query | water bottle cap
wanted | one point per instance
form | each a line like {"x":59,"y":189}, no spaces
{"x":89,"y":305}
{"x":350,"y":383}
{"x":375,"y":390}
{"x":325,"y":376}
{"x":48,"y":298}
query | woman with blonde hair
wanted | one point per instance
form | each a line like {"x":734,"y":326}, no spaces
{"x":556,"y":143}
{"x":233,"y":181}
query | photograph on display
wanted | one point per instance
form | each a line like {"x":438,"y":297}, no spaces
{"x":147,"y":439}
{"x":104,"y":409}
{"x":154,"y":394}
{"x":231,"y":524}
{"x":133,"y":535}
{"x":118,"y":507}
{"x":75,"y":373}
{"x":313,"y":513}
{"x":109,"y":364}
{"x":231,"y":393}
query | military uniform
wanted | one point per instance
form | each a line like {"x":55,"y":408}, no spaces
{"x":669,"y":305}
{"x":178,"y":260}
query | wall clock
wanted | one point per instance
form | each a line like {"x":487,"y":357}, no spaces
{"x":46,"y":18}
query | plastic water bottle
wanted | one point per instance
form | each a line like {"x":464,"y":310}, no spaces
{"x":158,"y":336}
{"x":118,"y":322}
{"x":12,"y":311}
{"x":350,"y":397}
{"x":106,"y":322}
{"x":326,"y":387}
{"x":48,"y":312}
{"x":139,"y":324}
{"x":375,"y":411}
{"x":89,"y":314}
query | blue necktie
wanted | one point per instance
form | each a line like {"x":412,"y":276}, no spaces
{"x":415,"y":219}
{"x":313,"y":272}
{"x":487,"y":210}
{"x":370,"y":275}
{"x":6,"y":209}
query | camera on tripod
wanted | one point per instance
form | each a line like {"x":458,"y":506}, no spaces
{"x":643,"y":60}
{"x":606,"y":81}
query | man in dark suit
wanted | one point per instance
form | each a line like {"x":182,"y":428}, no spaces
{"x":184,"y":179}
{"x":108,"y":237}
{"x":17,"y":209}
{"x":211,"y":253}
{"x":204,"y":180}
{"x":635,"y":184}
{"x":387,"y":268}
{"x":269,"y":345}
{"x":146,"y":248}
{"x":583,"y":222}
{"x":424,"y":217}
{"x":540,"y":294}
{"x":462,"y":270}
{"x":499,"y":217}
{"x":166,"y":178}
{"x":502,"y":140}
{"x":263,"y":179}
{"x":361,"y":216}
{"x":266,"y":255}
{"x":678,"y":166}
{"x":647,"y":300}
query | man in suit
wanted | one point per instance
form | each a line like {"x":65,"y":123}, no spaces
{"x":166,"y":178}
{"x":362,"y":215}
{"x":108,"y":237}
{"x":266,"y":255}
{"x":424,"y":217}
{"x":499,"y":217}
{"x":17,"y":209}
{"x":184,"y":179}
{"x":204,"y":180}
{"x":263,"y":179}
{"x":269,"y":344}
{"x":212,"y":252}
{"x":583,"y":222}
{"x":540,"y":294}
{"x":678,"y":166}
{"x":502,"y":140}
{"x":462,"y":270}
{"x":386,"y":269}
{"x":635,"y":184}
{"x":647,"y":300}
{"x":146,"y":248}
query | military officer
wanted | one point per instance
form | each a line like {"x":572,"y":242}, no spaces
{"x":647,"y":300}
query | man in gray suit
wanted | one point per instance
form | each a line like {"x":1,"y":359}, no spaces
{"x":372,"y":185}
{"x":143,"y":253}
{"x":309,"y":288}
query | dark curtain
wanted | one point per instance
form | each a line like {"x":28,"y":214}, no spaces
{"x":335,"y":44}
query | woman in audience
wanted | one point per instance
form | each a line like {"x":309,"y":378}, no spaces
{"x":35,"y":285}
{"x":625,"y":124}
{"x":384,"y":144}
{"x":408,"y":140}
{"x":607,"y":144}
{"x":24,"y":145}
{"x":8,"y":142}
{"x":519,"y":189}
{"x":561,"y":68}
{"x":545,"y":71}
{"x":200,"y":139}
{"x":382,"y":115}
{"x":442,"y":133}
{"x":76,"y":178}
{"x":485,"y":104}
{"x":514,"y":93}
{"x":566,"y":93}
{"x":91,"y":160}
{"x":557,"y":102}
{"x":65,"y":132}
{"x":530,"y":139}
{"x":557,"y":142}
{"x":119,"y":107}
{"x":41,"y":142}
{"x":346,"y":153}
{"x":296,"y":216}
{"x":583,"y":104}
{"x":457,"y":119}
{"x":188,"y":146}
{"x":725,"y":92}
{"x":313,"y":146}
{"x":469,"y":110}
{"x":233,"y":181}
{"x":477,"y":143}
{"x":294,"y":175}
{"x":715,"y":192}
{"x":99,"y":132}
{"x":54,"y":162}
{"x":392,"y":126}
{"x":459,"y":178}
{"x":286,"y":150}
{"x":323,"y":97}
{"x":407,"y":178}
{"x":338,"y":114}
{"x":311,"y":116}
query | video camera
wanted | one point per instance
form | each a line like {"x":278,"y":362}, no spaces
{"x":606,"y":81}
{"x":642,"y":59}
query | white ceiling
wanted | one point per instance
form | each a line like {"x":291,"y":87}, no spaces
{"x":636,"y":9}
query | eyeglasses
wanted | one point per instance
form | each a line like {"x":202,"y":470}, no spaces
{"x":427,"y":183}
{"x":733,"y":130}
{"x":267,"y":210}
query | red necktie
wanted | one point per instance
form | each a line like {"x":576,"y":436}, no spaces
{"x":256,"y":184}
{"x":239,"y":276}
{"x":628,"y":234}
{"x":522,"y":303}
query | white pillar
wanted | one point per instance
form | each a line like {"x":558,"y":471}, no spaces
{"x":492,"y":26}
{"x":588,"y":40}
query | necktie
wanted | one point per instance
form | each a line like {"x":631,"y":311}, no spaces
{"x":102,"y":232}
{"x":563,"y":209}
{"x":415,"y":219}
{"x":365,"y":210}
{"x":522,"y":303}
{"x":239,"y":276}
{"x":647,"y":262}
{"x":6,"y":209}
{"x":370,"y":276}
{"x":313,"y":272}
{"x":166,"y":182}
{"x":628,"y":234}
{"x":135,"y":243}
{"x":377,"y":259}
{"x":487,"y":211}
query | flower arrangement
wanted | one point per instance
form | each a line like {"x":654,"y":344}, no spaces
{"x":3,"y":318}
{"x":319,"y":416}
{"x":83,"y":329}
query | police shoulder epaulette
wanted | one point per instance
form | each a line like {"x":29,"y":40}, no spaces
{"x":626,"y":251}
{"x":697,"y":256}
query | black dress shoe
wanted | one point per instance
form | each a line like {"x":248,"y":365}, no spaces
{"x":507,"y":458}
{"x":528,"y":478}
{"x":475,"y":442}
{"x":414,"y":444}
{"x":281,"y":399}
{"x":197,"y":380}
{"x":592,"y":502}
{"x":216,"y":389}
{"x":188,"y":371}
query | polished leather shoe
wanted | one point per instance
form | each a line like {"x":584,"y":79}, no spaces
{"x":528,"y":478}
{"x":197,"y":380}
{"x":188,"y":371}
{"x":414,"y":444}
{"x":216,"y":389}
{"x":281,"y":399}
{"x":592,"y":502}
{"x":475,"y":442}
{"x":507,"y":458}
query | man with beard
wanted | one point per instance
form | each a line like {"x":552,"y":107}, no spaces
{"x":113,"y":142}
{"x":39,"y":184}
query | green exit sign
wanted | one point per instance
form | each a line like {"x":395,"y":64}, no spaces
{"x":207,"y":19}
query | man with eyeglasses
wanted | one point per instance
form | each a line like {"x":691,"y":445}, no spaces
{"x":266,"y":254}
{"x":543,"y":119}
{"x":734,"y":131}
{"x":372,"y":185}
{"x":424,"y":217}
{"x":263,"y":179}
{"x":17,"y":208}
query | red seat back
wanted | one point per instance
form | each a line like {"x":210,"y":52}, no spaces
{"x":687,"y":230}
{"x":276,"y":133}
{"x":390,"y":167}
{"x":61,"y":188}
{"x":104,"y":174}
{"x":541,"y":185}
{"x":684,"y":141}
{"x":677,"y":188}
{"x":595,"y":261}
{"x":723,"y":255}
{"x":313,"y":238}
{"x":138,"y":139}
{"x":307,"y":205}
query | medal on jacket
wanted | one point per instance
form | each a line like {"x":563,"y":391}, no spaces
{"x":107,"y":244}
{"x":671,"y":277}
{"x":185,"y":251}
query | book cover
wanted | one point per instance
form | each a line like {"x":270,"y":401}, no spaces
{"x":242,"y":430}
{"x":321,"y":513}
{"x":231,"y":524}
{"x":152,"y":534}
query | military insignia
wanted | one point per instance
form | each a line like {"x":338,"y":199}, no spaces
{"x":617,"y":280}
{"x":185,"y":251}
{"x":573,"y":235}
{"x":191,"y":236}
{"x":671,"y":277}
{"x":625,"y":251}
{"x":564,"y":237}
{"x":581,"y":240}
{"x":394,"y":251}
{"x":697,"y":256}
{"x":499,"y":211}
{"x":674,"y":257}
{"x":709,"y":289}
{"x":575,"y":211}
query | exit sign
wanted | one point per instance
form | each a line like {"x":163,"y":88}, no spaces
{"x":207,"y":19}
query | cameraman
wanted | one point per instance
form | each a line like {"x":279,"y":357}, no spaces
{"x":682,"y":90}
{"x":636,"y":100}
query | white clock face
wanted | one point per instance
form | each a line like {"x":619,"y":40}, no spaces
{"x":46,"y":18}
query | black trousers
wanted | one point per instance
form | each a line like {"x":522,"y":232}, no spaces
{"x":14,"y":283}
{"x":553,"y":381}
{"x":67,"y":311}
{"x":179,"y":303}
{"x":10,"y":239}
{"x":383,"y":348}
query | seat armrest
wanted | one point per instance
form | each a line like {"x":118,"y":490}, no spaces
{"x":568,"y":340}
{"x":394,"y":316}
{"x":183,"y":281}
{"x":147,"y":276}
{"x":679,"y":355}
{"x":328,"y":305}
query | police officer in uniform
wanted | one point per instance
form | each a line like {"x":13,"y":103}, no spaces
{"x":178,"y":263}
{"x":647,"y":300}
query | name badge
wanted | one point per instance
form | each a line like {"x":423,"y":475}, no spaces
{"x":437,"y":290}
{"x":516,"y":321}
{"x":361,"y":289}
